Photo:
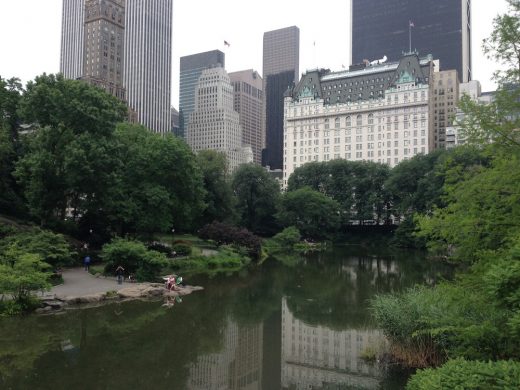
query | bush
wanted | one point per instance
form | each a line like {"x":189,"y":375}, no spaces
{"x":463,"y":374}
{"x":428,"y":325}
{"x":287,"y":238}
{"x":134,"y":258}
{"x":182,"y":249}
{"x":161,"y":248}
{"x":224,"y":234}
{"x":226,"y":259}
{"x":50,"y":247}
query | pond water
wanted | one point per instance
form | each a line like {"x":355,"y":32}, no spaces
{"x":290,"y":324}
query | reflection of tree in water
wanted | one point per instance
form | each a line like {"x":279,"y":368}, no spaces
{"x":333,"y":289}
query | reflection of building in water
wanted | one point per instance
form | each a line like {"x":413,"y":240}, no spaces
{"x":237,"y":366}
{"x":313,"y":356}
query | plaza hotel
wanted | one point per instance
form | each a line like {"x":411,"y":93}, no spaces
{"x":378,"y":111}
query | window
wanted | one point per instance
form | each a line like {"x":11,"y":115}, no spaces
{"x":371,"y":119}
{"x":359,"y":120}
{"x":336,"y":123}
{"x":348,"y":121}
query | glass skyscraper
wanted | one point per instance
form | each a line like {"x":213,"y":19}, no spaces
{"x":440,"y":27}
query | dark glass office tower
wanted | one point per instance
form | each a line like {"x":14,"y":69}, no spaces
{"x":276,"y":85}
{"x":281,"y":64}
{"x":441,"y":28}
{"x":191,"y":69}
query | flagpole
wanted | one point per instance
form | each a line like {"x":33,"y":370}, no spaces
{"x":410,"y":35}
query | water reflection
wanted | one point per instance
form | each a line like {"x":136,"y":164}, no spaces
{"x":303,"y":326}
{"x":237,"y":366}
{"x":317,"y":356}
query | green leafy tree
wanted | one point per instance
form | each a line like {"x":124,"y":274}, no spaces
{"x":11,"y":201}
{"x":315,"y":215}
{"x":257,"y":198}
{"x":357,"y":186}
{"x":68,"y":164}
{"x":157,"y":183}
{"x":500,"y":120}
{"x":219,"y":195}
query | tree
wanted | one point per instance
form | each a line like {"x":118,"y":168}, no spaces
{"x":358,"y":186}
{"x":257,"y":198}
{"x":157,"y":183}
{"x":10,"y":198}
{"x":315,"y":215}
{"x":68,"y":165}
{"x":219,"y":196}
{"x":499,"y":121}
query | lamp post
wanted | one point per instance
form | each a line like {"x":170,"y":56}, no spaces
{"x":173,"y":241}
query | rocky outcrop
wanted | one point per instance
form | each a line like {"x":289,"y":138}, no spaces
{"x":136,"y":291}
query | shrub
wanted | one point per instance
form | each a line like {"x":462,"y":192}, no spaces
{"x":463,"y":374}
{"x":50,"y":247}
{"x":224,"y":234}
{"x":448,"y":321}
{"x":161,"y":248}
{"x":182,"y":249}
{"x":287,"y":238}
{"x":134,"y":258}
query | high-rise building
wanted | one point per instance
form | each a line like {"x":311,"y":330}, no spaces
{"x":445,"y":100}
{"x":132,"y":39}
{"x":214,"y":124}
{"x":281,"y":62}
{"x":440,"y":27}
{"x":191,"y":68}
{"x":148,"y":61}
{"x":248,"y":102}
{"x":372,"y":112}
{"x":72,"y":42}
{"x":103,"y":49}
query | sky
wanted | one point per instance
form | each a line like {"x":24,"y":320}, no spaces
{"x":30,"y":34}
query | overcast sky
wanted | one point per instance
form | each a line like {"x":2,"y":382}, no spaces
{"x":30,"y":34}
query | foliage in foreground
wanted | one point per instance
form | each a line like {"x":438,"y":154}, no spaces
{"x":463,"y":374}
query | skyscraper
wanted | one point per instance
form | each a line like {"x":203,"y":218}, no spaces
{"x":248,"y":102}
{"x":214,"y":124}
{"x":72,"y":43}
{"x":191,"y":68}
{"x":438,"y":27}
{"x":281,"y":59}
{"x":133,"y":40}
{"x":148,"y":61}
{"x":103,"y":49}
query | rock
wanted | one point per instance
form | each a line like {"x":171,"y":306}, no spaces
{"x":56,"y":305}
{"x":43,"y":310}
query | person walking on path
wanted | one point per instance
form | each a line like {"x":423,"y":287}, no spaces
{"x":119,"y":272}
{"x":86,"y":262}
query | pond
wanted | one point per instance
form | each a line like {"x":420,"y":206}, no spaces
{"x":290,"y":324}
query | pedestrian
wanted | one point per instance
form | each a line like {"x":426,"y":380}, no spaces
{"x":119,"y":272}
{"x":86,"y":262}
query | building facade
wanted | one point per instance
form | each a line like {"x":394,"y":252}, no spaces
{"x":148,"y":61}
{"x":441,"y":27}
{"x":445,"y":100}
{"x":191,"y":68}
{"x":248,"y":102}
{"x":132,"y":41}
{"x":281,"y":63}
{"x":72,"y":38}
{"x":379,"y":113}
{"x":214,"y":124}
{"x":104,"y":49}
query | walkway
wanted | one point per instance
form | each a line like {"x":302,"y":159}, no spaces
{"x":78,"y":282}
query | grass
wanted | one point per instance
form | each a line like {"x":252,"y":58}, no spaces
{"x":96,"y":269}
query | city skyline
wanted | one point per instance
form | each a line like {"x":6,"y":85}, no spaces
{"x":41,"y":51}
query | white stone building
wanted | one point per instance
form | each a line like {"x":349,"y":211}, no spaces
{"x":214,"y":124}
{"x":372,"y":112}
